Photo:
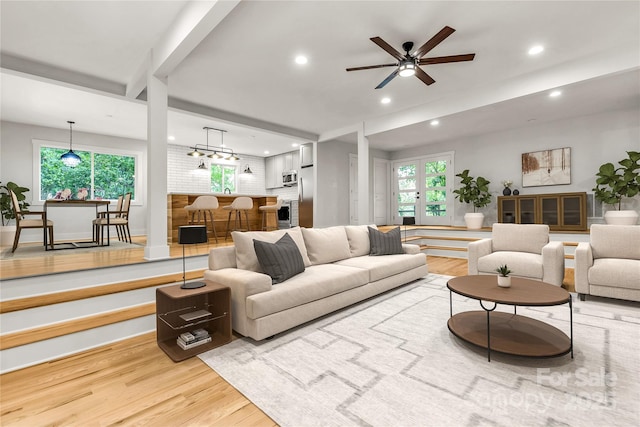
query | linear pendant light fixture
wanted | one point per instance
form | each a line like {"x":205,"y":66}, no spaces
{"x":70,"y":158}
{"x":220,"y":152}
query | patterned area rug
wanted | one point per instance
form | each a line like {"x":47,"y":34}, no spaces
{"x":391,"y":361}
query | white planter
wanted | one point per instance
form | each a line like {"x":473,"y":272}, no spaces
{"x":504,"y":282}
{"x":621,"y":217}
{"x":474,"y":220}
{"x":7,"y":234}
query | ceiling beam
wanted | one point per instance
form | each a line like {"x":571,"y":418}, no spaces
{"x":196,"y":20}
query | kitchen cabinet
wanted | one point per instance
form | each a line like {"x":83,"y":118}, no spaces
{"x":275,"y":165}
{"x":561,"y":211}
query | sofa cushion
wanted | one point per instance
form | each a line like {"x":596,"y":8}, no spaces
{"x":315,"y":283}
{"x":615,"y":241}
{"x":325,"y":245}
{"x":380,"y":267}
{"x":358,"y":236}
{"x":520,"y":263}
{"x":614,"y":272}
{"x":519,"y":237}
{"x":388,"y":243}
{"x":246,"y":258}
{"x":280,"y":260}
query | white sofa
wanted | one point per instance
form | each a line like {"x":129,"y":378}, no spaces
{"x":526,"y":250}
{"x":338,"y":272}
{"x":609,"y":264}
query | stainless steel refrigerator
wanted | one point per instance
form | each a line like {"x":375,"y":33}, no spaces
{"x":306,"y":186}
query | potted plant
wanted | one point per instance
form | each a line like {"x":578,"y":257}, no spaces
{"x":504,"y":280}
{"x":7,"y":232}
{"x":613,"y":184}
{"x":476,"y":192}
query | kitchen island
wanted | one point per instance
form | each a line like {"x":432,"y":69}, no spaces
{"x":177,"y":215}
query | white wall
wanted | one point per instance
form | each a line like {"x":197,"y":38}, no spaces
{"x":593,"y":140}
{"x":332,"y":188}
{"x":16,"y":164}
{"x":183,"y":175}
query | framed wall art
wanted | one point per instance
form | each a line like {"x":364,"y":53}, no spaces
{"x":548,"y":167}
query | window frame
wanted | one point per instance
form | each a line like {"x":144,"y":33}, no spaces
{"x":38,"y":144}
{"x":224,"y":164}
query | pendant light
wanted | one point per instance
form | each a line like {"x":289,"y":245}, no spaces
{"x":70,"y":158}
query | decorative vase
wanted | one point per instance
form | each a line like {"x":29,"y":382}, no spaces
{"x":516,"y":192}
{"x":626,"y":217}
{"x":474,"y":220}
{"x":504,"y":281}
{"x":506,"y":191}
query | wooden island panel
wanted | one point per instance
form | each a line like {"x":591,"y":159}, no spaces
{"x":177,"y":215}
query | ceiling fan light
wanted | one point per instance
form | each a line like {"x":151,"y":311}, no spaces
{"x":407,"y":69}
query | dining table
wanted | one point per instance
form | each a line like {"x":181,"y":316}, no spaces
{"x":69,"y":203}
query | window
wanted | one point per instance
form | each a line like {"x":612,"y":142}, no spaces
{"x":223,"y":177}
{"x":104,"y":175}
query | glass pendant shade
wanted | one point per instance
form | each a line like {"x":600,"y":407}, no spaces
{"x":70,"y":158}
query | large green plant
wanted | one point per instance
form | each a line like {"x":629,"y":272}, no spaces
{"x":5,"y":200}
{"x":473,"y":190}
{"x":614,"y":183}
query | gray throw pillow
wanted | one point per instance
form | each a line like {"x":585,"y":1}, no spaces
{"x":388,"y":243}
{"x":280,"y":260}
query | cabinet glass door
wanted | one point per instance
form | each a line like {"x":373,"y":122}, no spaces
{"x":508,"y":211}
{"x":571,"y":210}
{"x":549,"y":207}
{"x":527,"y":208}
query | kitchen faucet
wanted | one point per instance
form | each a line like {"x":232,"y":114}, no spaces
{"x":227,"y":190}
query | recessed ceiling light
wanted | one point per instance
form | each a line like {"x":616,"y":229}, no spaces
{"x":536,"y":49}
{"x":266,"y":152}
{"x":435,"y":122}
{"x":385,"y":100}
{"x":301,"y":60}
{"x":171,"y":138}
{"x":294,"y":145}
{"x":555,"y":94}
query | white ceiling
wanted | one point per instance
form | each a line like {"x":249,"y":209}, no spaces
{"x":244,"y":69}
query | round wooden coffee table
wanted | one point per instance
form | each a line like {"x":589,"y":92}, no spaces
{"x":505,"y":332}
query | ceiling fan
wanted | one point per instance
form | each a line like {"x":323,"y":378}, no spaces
{"x":408,"y":64}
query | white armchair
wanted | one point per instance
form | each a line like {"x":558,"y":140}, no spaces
{"x":609,"y":265}
{"x":525,"y":248}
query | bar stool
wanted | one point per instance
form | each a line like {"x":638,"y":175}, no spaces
{"x":201,"y":206}
{"x":238,"y":205}
{"x":270,"y":209}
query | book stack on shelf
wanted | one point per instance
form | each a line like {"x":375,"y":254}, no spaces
{"x":194,"y":338}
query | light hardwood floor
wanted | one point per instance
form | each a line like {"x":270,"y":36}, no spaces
{"x":132,"y":382}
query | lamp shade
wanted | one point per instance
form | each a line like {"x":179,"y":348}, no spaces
{"x":191,"y":234}
{"x":408,"y":220}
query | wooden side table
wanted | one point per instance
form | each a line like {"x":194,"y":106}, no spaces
{"x":184,"y":310}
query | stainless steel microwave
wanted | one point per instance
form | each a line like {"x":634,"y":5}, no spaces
{"x":289,"y":178}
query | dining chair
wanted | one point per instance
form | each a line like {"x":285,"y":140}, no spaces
{"x":118,"y":218}
{"x":23,"y":222}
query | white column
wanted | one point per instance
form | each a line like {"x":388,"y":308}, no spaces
{"x":364,"y":195}
{"x":157,"y":107}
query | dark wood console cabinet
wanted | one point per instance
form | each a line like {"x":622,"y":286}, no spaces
{"x":560,"y":211}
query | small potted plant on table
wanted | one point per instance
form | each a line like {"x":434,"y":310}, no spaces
{"x":504,"y":280}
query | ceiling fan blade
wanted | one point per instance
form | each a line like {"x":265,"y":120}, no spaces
{"x":426,"y":78}
{"x":372,"y":66}
{"x":388,"y":48}
{"x":434,"y":41}
{"x":387,"y":80}
{"x":445,"y":59}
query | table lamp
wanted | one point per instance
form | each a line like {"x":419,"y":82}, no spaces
{"x":407,"y":220}
{"x":189,"y":235}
